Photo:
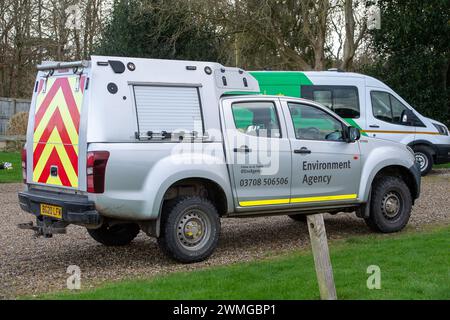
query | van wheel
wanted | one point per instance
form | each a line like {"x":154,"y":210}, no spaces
{"x":190,"y":228}
{"x":116,"y":235}
{"x":390,"y":206}
{"x":298,"y":217}
{"x":424,"y":157}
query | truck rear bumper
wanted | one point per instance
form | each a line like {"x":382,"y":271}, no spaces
{"x":76,"y":209}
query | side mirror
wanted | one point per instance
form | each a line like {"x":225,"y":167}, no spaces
{"x":408,"y":118}
{"x":353,"y":134}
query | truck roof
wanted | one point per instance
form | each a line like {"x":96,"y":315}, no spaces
{"x":112,"y":82}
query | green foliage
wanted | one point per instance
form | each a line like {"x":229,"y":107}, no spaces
{"x":412,"y":51}
{"x":167,"y":29}
{"x":413,"y":266}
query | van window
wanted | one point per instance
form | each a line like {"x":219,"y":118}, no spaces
{"x":387,"y":108}
{"x":311,"y":123}
{"x":168,"y":108}
{"x":381,"y":106}
{"x":341,"y":99}
{"x":397,"y":110}
{"x":256,"y":119}
{"x":324,"y":97}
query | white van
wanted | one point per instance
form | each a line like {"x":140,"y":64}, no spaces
{"x":368,"y":104}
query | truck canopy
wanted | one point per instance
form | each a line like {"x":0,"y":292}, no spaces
{"x":118,"y":99}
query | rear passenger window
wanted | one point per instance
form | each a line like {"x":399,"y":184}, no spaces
{"x":343,"y":100}
{"x":256,"y":119}
{"x":168,"y":109}
{"x":324,"y":97}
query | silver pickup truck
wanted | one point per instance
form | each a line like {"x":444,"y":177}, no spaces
{"x":120,"y":145}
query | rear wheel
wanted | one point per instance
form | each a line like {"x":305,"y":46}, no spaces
{"x":115,"y":235}
{"x":190,"y":229}
{"x":391,"y":205}
{"x":424,"y":157}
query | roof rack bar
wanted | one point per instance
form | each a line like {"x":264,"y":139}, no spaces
{"x":63,"y":65}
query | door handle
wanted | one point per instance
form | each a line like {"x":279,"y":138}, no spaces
{"x":243,"y":149}
{"x":374,"y":126}
{"x":302,"y":151}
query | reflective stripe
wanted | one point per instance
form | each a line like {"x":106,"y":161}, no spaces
{"x":297,"y":200}
{"x":263,"y":202}
{"x":56,"y":131}
{"x":324,"y":198}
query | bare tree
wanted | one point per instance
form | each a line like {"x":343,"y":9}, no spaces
{"x":282,"y":34}
{"x":355,"y":30}
{"x":35,"y":30}
{"x":315,"y":14}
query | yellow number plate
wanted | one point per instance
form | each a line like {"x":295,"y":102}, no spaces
{"x":51,"y":211}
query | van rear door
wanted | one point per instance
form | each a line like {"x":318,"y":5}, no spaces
{"x":55,"y":125}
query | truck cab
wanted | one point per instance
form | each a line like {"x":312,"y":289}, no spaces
{"x":122,"y":145}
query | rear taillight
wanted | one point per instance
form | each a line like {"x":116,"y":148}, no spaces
{"x":95,"y":171}
{"x":24,"y":165}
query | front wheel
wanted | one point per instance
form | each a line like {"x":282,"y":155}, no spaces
{"x":424,"y":157}
{"x":190,"y":229}
{"x":391,"y":205}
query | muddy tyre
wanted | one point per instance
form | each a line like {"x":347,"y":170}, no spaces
{"x":190,"y":228}
{"x":391,"y":205}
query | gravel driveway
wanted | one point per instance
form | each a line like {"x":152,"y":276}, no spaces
{"x":30,"y":266}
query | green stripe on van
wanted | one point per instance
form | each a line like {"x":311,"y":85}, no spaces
{"x":281,"y":83}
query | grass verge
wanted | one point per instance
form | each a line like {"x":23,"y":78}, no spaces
{"x":413,"y":266}
{"x":15,"y":174}
{"x":442,"y":166}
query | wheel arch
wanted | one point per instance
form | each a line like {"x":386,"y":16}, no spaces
{"x":426,"y":143}
{"x":402,"y":172}
{"x":198,"y":186}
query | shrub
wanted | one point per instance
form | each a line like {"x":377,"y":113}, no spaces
{"x":17,"y":126}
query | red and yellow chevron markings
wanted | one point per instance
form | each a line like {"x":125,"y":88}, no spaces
{"x":56,"y":131}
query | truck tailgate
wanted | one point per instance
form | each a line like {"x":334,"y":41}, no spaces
{"x":58,"y":104}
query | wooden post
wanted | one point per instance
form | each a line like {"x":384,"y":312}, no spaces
{"x":14,"y":107}
{"x":321,"y":254}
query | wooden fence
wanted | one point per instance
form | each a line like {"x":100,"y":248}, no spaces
{"x":8,"y":108}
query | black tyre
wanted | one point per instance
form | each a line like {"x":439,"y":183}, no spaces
{"x":298,"y":217}
{"x":390,"y":206}
{"x":115,"y":235}
{"x":424,"y":157}
{"x":190,"y":228}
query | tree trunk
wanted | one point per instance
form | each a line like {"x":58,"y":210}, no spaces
{"x":349,"y":44}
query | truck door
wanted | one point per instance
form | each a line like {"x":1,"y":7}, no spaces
{"x":325,"y":168}
{"x":55,"y":130}
{"x":258,"y":152}
{"x":384,"y":117}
